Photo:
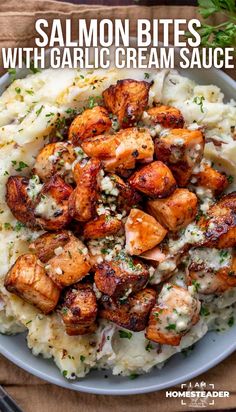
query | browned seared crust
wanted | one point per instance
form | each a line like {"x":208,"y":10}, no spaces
{"x":60,"y":192}
{"x":169,"y":117}
{"x":91,"y":122}
{"x":142,"y":232}
{"x":102,"y":146}
{"x":176,"y":211}
{"x":181,"y":150}
{"x":212,"y":179}
{"x":132,"y":313}
{"x":154,"y":180}
{"x":79,"y":309}
{"x":101,"y":227}
{"x":214,"y":281}
{"x":117,"y":277}
{"x":27,"y":278}
{"x":18,"y":200}
{"x":121,"y":151}
{"x":52,"y":158}
{"x":70,"y":266}
{"x":82,"y":201}
{"x":220,"y":225}
{"x":44,"y":246}
{"x":127,"y":100}
{"x":128,"y":197}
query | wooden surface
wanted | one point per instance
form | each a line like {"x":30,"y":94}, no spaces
{"x":136,"y":2}
{"x":35,"y":395}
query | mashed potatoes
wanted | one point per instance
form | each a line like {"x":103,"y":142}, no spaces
{"x":29,"y":109}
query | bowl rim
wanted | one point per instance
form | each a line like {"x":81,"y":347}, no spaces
{"x":68,"y":384}
{"x":62,"y":382}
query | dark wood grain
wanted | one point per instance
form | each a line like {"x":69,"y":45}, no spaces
{"x":135,"y":2}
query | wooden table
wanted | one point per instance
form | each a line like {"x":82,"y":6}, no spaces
{"x":136,"y":2}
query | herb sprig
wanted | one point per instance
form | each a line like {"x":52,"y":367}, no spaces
{"x":220,"y":35}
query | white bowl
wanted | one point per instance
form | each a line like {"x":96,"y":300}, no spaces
{"x":208,"y":352}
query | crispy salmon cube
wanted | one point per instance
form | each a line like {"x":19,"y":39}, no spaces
{"x":51,"y":205}
{"x":27,"y":278}
{"x":176,"y":211}
{"x":79,"y":309}
{"x":131,"y":313}
{"x":102,"y":226}
{"x":181,"y":150}
{"x":46,"y":245}
{"x":121,"y":276}
{"x":136,"y":145}
{"x":55,"y":158}
{"x":82,"y":202}
{"x":173,"y":316}
{"x":154,"y":180}
{"x":211,"y":277}
{"x":211,"y":179}
{"x":127,"y":197}
{"x":142,"y":232}
{"x":220,"y":224}
{"x":71,"y":265}
{"x":169,"y":117}
{"x":18,"y":200}
{"x":90,"y":123}
{"x":122,"y":150}
{"x":101,"y":147}
{"x":127,"y":100}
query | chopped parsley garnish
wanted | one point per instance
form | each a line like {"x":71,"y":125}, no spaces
{"x":133,"y":376}
{"x":19,"y":226}
{"x":231,"y":321}
{"x":199,"y":101}
{"x":156,"y":315}
{"x":39,"y":110}
{"x":82,"y":358}
{"x":91,"y":102}
{"x":29,"y":321}
{"x":12,"y":74}
{"x":196,"y":285}
{"x":65,"y":373}
{"x":171,"y":326}
{"x":7,"y":226}
{"x":18,"y":90}
{"x":30,"y":91}
{"x":149,"y":347}
{"x":71,"y":111}
{"x":199,"y":215}
{"x":125,"y":334}
{"x":187,"y":351}
{"x":64,"y":311}
{"x":146,"y":75}
{"x":34,"y":69}
{"x":69,"y":253}
{"x":21,"y":166}
{"x":204,"y":311}
{"x":230,"y":179}
{"x":223,"y":255}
